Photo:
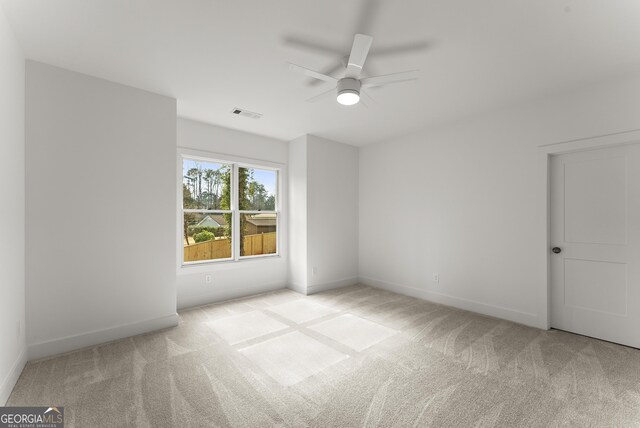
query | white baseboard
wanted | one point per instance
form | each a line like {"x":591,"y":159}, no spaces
{"x":96,"y":337}
{"x":12,"y":377}
{"x":345,"y":282}
{"x":525,"y":318}
{"x":227,"y":293}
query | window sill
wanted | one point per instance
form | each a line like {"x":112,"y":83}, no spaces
{"x":213,"y":265}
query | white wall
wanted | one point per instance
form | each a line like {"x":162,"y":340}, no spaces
{"x":298,"y":214}
{"x":323,"y":214}
{"x":100,"y":210}
{"x":12,"y":284}
{"x":463,"y":201}
{"x":332,"y":214}
{"x":233,"y":279}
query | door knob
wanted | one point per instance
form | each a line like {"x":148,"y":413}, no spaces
{"x":556,"y":250}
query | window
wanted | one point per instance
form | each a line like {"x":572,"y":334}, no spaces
{"x":229,"y":211}
{"x":258,"y":216}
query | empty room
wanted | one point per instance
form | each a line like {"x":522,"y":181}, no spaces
{"x":297,"y":213}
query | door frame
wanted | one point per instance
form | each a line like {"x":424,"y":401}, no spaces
{"x":544,"y":181}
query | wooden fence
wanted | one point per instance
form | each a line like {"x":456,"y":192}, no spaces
{"x":262,"y":243}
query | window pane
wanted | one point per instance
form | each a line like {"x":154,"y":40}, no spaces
{"x":258,"y":234}
{"x":206,"y":185}
{"x":257,"y":188}
{"x":206,"y":236}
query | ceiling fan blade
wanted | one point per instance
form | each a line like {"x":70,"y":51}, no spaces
{"x":330,"y":71}
{"x":369,"y":98}
{"x":312,"y":73}
{"x":321,"y":95}
{"x":359,"y":52}
{"x":387,"y":79}
{"x":367,"y":16}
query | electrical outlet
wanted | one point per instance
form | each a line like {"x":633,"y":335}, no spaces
{"x":314,"y":270}
{"x":436,"y":277}
{"x":207,"y":279}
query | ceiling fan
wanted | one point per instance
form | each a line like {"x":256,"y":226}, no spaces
{"x":350,"y":87}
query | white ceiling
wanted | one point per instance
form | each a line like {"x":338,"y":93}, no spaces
{"x":214,"y":55}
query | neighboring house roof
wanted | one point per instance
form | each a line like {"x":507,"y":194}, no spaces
{"x":219,"y":218}
{"x":262,"y":220}
{"x":213,"y":220}
{"x":258,"y":220}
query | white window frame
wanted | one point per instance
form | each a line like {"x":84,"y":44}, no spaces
{"x":236,"y":163}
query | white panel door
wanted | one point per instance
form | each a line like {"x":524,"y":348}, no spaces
{"x":595,"y":240}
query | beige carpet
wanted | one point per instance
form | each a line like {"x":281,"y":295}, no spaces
{"x":350,"y":357}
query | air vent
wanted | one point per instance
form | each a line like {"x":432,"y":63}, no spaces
{"x":246,"y":113}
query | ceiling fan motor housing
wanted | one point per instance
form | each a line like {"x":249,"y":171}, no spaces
{"x":348,"y":85}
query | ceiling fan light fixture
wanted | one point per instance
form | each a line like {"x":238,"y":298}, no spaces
{"x":348,"y":98}
{"x":348,"y":91}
